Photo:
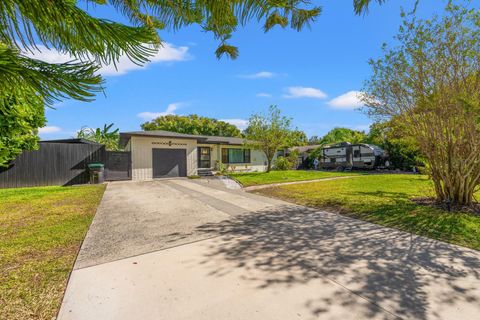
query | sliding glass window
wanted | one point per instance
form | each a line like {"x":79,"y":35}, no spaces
{"x":234,"y":155}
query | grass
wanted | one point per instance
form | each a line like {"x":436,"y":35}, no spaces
{"x":386,"y":200}
{"x":259,"y":178}
{"x":41,"y":230}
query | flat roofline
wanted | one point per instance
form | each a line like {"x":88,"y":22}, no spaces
{"x":125,"y":137}
{"x":73,"y":140}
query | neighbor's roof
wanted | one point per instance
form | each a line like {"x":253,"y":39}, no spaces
{"x":72,"y":140}
{"x":302,"y":149}
{"x":125,"y":136}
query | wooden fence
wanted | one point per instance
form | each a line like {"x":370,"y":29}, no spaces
{"x":55,"y":163}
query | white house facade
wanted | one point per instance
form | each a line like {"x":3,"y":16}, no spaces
{"x":162,"y":154}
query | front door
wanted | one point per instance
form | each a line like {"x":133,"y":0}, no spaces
{"x":203,"y":157}
{"x":349,"y":155}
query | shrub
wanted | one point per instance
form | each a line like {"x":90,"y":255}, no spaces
{"x":220,"y":167}
{"x":282,"y":163}
{"x":314,"y":154}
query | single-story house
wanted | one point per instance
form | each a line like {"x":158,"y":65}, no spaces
{"x":303,"y":153}
{"x":160,"y":154}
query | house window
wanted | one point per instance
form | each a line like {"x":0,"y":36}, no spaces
{"x":232,"y":155}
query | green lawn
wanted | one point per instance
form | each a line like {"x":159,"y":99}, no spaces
{"x":41,"y":230}
{"x":386,"y":200}
{"x":259,"y":178}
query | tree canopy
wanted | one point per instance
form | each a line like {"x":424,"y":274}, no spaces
{"x":103,"y":135}
{"x":19,"y":120}
{"x":429,"y":87}
{"x":403,"y":152}
{"x":362,"y":6}
{"x":314,"y":140}
{"x":298,"y":138}
{"x":337,"y":135}
{"x":192,"y":124}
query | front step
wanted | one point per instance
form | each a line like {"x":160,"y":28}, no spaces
{"x":205,"y":173}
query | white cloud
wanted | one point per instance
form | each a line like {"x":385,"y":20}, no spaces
{"x":263,"y":95}
{"x":347,"y":101}
{"x":304,"y":92}
{"x":49,"y":129}
{"x":167,"y":53}
{"x":239,"y":123}
{"x":259,"y":75}
{"x":171,"y":108}
{"x":49,"y":55}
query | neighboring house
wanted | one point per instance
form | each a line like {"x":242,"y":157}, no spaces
{"x":160,"y":154}
{"x":303,"y":152}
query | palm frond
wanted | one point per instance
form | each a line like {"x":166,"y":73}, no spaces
{"x":74,"y":80}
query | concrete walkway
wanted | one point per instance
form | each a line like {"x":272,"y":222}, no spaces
{"x":271,"y":185}
{"x":192,"y":249}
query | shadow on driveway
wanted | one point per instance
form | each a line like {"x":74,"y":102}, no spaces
{"x":406,"y":275}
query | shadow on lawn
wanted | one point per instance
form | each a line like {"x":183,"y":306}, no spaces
{"x":291,"y":245}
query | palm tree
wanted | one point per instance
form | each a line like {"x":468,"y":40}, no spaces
{"x":104,"y":136}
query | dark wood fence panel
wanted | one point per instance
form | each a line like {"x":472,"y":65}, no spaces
{"x":118,"y":165}
{"x":53,"y":164}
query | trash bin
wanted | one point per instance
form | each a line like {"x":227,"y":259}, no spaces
{"x":96,"y":172}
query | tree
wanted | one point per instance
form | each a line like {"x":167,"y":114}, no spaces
{"x":101,"y":135}
{"x":361,"y":6}
{"x":337,"y":135}
{"x":268,"y":132}
{"x":192,"y":124}
{"x":402,"y":151}
{"x":19,"y":120}
{"x":298,"y":138}
{"x":289,"y":162}
{"x":91,"y":42}
{"x":430,"y":86}
{"x":314,"y":140}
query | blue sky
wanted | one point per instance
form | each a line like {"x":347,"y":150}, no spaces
{"x":308,"y":74}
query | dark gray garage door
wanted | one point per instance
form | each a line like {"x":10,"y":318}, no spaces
{"x":169,"y":163}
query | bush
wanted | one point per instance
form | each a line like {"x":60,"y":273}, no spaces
{"x":293,"y":159}
{"x":314,"y":154}
{"x":282,"y":163}
{"x":220,"y":167}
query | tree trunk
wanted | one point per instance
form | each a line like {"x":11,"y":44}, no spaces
{"x":453,"y":184}
{"x":269,"y":164}
{"x":450,"y":140}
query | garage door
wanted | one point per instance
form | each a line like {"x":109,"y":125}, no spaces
{"x":168,"y":163}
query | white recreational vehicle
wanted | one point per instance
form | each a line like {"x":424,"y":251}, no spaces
{"x":353,"y":156}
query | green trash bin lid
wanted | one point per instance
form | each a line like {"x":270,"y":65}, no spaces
{"x":95,"y":165}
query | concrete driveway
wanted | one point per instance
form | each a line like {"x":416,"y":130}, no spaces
{"x":192,"y":249}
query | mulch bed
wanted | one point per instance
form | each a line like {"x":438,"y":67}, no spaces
{"x":474,"y":208}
